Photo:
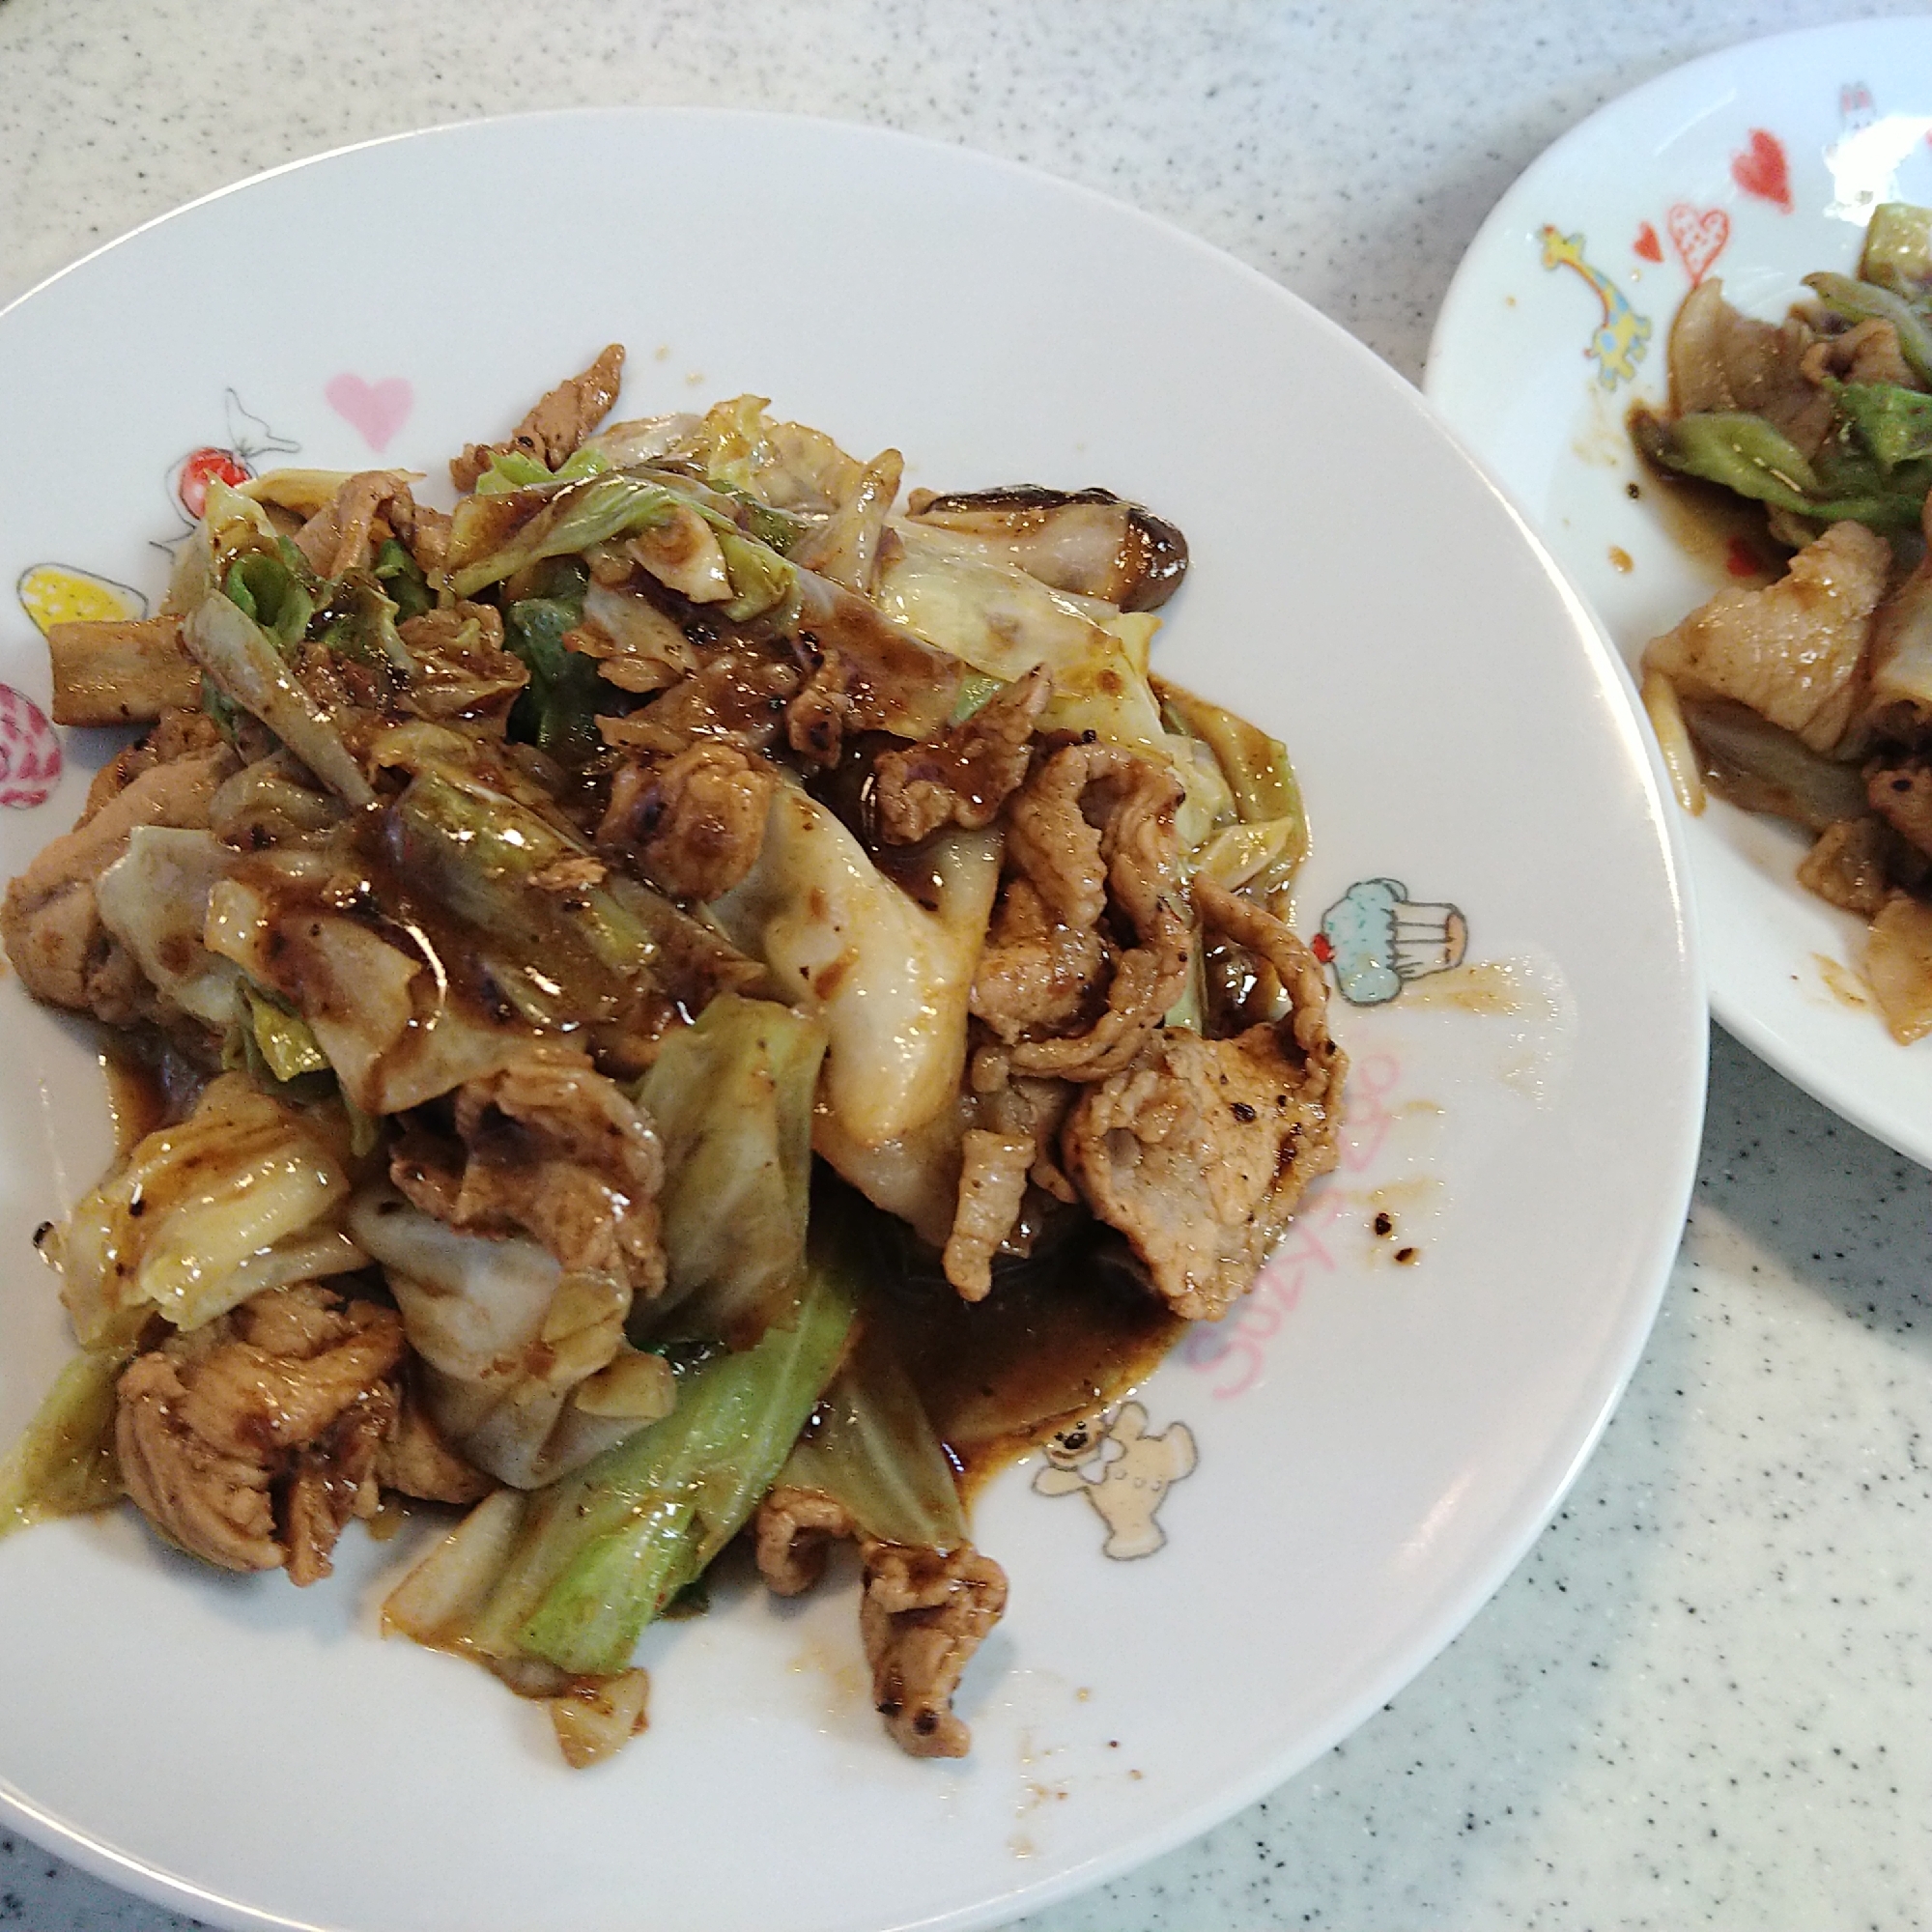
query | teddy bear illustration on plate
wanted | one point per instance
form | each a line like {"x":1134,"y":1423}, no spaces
{"x":1122,"y":1470}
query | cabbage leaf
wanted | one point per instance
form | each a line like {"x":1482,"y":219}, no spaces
{"x":526,"y":1370}
{"x":64,"y":1463}
{"x":871,"y":1447}
{"x":202,"y":1215}
{"x":1003,"y":622}
{"x":731,"y":1097}
{"x":601,"y":1553}
{"x":889,"y":979}
{"x":241,"y":658}
{"x":154,"y":898}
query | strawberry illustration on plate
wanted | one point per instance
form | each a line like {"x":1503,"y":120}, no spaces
{"x":249,"y":438}
{"x":201,"y":465}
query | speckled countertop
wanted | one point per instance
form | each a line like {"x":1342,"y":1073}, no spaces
{"x":1703,"y":1700}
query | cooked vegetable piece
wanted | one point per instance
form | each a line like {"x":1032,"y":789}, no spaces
{"x":562,"y":948}
{"x":439,"y":1599}
{"x":889,"y":977}
{"x":1898,"y":250}
{"x":357,"y":621}
{"x":271,"y":588}
{"x":557,"y":712}
{"x":154,"y":898}
{"x":518,"y":469}
{"x":1002,"y":621}
{"x":872,"y":1449}
{"x":200,"y":1216}
{"x":304,"y":492}
{"x":732,"y":1098}
{"x":401,"y":578}
{"x":242,"y":660}
{"x":284,"y":1040}
{"x":509,"y":1342}
{"x":1863,"y":301}
{"x":1759,"y":764}
{"x":492,"y":538}
{"x":1895,"y":422}
{"x":596,"y":1717}
{"x":601,"y":1553}
{"x":64,"y":1463}
{"x":1087,"y":540}
{"x":1746,"y":455}
{"x":1266,"y":850}
{"x":1898,"y":964}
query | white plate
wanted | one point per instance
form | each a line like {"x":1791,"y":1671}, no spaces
{"x":1376,"y":1443}
{"x":1758,"y":167}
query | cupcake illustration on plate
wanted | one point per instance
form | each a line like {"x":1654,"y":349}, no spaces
{"x":1376,"y":939}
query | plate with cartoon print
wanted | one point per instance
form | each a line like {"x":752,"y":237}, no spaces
{"x":1211,"y":1584}
{"x":1755,"y":167}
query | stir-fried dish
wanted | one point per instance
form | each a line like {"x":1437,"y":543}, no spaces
{"x":1811,"y":698}
{"x":681,"y":1002}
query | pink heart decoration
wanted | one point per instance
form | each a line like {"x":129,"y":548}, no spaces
{"x":1698,"y":238}
{"x":375,"y":410}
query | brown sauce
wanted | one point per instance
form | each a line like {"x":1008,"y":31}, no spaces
{"x":849,"y":791}
{"x":1053,"y":1341}
{"x":148,"y":1084}
{"x":1723,"y":534}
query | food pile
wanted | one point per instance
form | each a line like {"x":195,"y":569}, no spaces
{"x":1811,"y":698}
{"x":619,"y":969}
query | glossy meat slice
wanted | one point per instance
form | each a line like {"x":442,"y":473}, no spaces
{"x":557,"y":424}
{"x":369,"y":506}
{"x":923,"y":1614}
{"x":1795,"y":651}
{"x":1199,"y":1150}
{"x":50,"y":921}
{"x":1901,"y":794}
{"x":792,"y":1535}
{"x":863,"y":672}
{"x":1721,"y":359}
{"x":464,"y":674}
{"x":1087,"y":540}
{"x":1867,"y":354}
{"x":416,"y":1458}
{"x":550,"y":1145}
{"x":964,"y":776}
{"x":992,"y":1185}
{"x":694,"y":821}
{"x":1092,"y":830}
{"x":737,"y":693}
{"x":252,"y":1440}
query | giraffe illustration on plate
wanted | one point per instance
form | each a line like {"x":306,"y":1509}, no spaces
{"x":1619,"y":344}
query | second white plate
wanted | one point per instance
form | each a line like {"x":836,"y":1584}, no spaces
{"x":1758,"y":167}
